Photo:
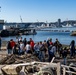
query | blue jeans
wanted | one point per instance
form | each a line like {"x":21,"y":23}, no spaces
{"x":20,"y":52}
{"x":42,"y":56}
{"x":9,"y":51}
{"x":51,"y":55}
{"x":64,"y":62}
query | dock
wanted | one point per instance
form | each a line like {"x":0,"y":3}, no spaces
{"x":54,"y":30}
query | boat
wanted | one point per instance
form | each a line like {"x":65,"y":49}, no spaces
{"x":17,"y":32}
{"x":73,"y":33}
{"x":68,"y":25}
{"x":29,"y":32}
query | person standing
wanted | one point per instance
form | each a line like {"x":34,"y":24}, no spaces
{"x":9,"y":48}
{"x":32,"y":44}
{"x":42,"y":52}
{"x":22,"y":48}
{"x":48,"y":42}
{"x":21,"y":39}
{"x":36,"y":49}
{"x":25,"y":42}
{"x":57,"y":44}
{"x":72,"y":48}
{"x":51,"y":52}
{"x":64,"y":55}
{"x":17,"y":40}
{"x":28,"y":47}
{"x":16,"y":49}
{"x":12,"y":43}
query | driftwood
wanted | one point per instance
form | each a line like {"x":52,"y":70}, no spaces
{"x":25,"y":64}
{"x":2,"y":61}
{"x":10,"y":60}
{"x":16,"y":59}
{"x":45,"y":72}
{"x":29,"y":68}
{"x":37,"y":68}
{"x":0,"y":69}
{"x":11,"y":70}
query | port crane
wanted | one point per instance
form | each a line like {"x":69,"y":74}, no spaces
{"x":0,"y":8}
{"x":21,"y":19}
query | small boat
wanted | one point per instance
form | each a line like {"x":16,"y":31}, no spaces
{"x":73,"y":33}
{"x":29,"y":32}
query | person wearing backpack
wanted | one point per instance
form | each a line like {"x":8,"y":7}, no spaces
{"x":64,"y":55}
{"x":51,"y":52}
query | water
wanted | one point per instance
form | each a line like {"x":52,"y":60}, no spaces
{"x":63,"y":37}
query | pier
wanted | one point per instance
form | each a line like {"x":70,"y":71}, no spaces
{"x":54,"y":30}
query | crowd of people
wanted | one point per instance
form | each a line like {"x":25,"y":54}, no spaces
{"x":41,"y":49}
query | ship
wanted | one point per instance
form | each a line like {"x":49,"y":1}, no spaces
{"x":67,"y":25}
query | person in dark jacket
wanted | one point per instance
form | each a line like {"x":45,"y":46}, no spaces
{"x":72,"y":48}
{"x":25,"y":41}
{"x":16,"y":49}
{"x":64,"y":55}
{"x":9,"y":48}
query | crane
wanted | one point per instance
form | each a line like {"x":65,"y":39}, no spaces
{"x":21,"y":19}
{"x":0,"y":8}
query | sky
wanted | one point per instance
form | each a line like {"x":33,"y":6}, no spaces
{"x":37,"y":10}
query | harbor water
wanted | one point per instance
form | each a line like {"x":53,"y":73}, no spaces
{"x":63,"y":37}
